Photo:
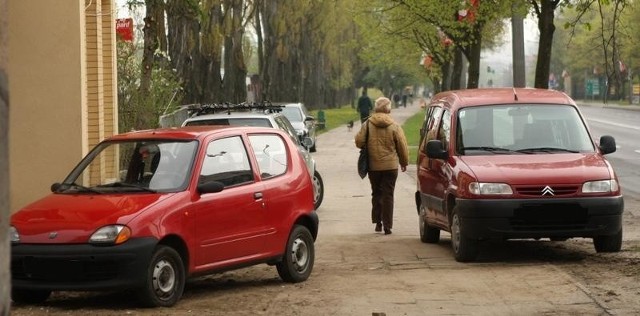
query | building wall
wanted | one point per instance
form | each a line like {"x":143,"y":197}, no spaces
{"x":62,"y":89}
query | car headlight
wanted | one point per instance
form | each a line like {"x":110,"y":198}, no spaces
{"x":601,"y":186}
{"x":14,"y":236}
{"x":480,"y":188}
{"x":112,"y":234}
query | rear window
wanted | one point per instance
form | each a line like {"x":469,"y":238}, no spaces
{"x":232,"y":121}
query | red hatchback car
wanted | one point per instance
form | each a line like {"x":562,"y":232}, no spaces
{"x":146,"y":210}
{"x":514,"y":163}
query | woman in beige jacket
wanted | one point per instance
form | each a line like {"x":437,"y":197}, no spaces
{"x":388,"y":149}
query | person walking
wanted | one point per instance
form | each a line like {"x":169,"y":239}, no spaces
{"x":387,"y":147}
{"x":364,"y":106}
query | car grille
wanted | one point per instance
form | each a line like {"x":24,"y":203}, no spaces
{"x":538,"y":190}
{"x":63,"y":269}
{"x":549,"y":217}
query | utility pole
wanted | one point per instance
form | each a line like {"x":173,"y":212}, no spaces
{"x":517,"y":46}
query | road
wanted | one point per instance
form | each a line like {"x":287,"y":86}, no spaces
{"x":360,"y":272}
{"x":624,"y":125}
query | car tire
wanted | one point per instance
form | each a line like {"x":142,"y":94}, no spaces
{"x":318,"y":190}
{"x":428,"y":233}
{"x":23,"y":296}
{"x":298,"y":258}
{"x":165,"y":279}
{"x":313,"y":148}
{"x":465,"y":249}
{"x":610,"y":243}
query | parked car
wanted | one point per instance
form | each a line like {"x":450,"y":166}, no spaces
{"x":302,"y":121}
{"x":514,"y":163}
{"x":146,"y":210}
{"x":266,"y":116}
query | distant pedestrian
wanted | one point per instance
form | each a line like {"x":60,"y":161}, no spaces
{"x":364,"y":105}
{"x":387,"y":148}
{"x":404,"y":100}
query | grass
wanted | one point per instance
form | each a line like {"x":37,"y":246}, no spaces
{"x":340,"y":116}
{"x":411,"y":129}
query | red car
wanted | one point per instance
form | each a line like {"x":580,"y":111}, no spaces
{"x":514,"y":163}
{"x":146,"y":210}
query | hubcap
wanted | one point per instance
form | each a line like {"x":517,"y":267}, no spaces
{"x":300,"y":254}
{"x":164,"y":278}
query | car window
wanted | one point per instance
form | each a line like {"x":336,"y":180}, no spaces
{"x":293,"y":114}
{"x":444,"y":130}
{"x":523,"y":127}
{"x":432,"y":125}
{"x":271,"y":153}
{"x":226,"y":161}
{"x":235,"y":121}
{"x":286,"y":126}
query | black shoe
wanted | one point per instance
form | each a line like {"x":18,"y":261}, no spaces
{"x":387,"y":231}
{"x":378,"y":227}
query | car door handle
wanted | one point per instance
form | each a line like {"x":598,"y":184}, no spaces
{"x":257,"y":195}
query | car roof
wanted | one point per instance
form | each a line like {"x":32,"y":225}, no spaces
{"x":190,"y":132}
{"x":489,"y":96}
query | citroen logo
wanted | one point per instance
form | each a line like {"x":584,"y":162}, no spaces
{"x":547,"y":190}
{"x":53,"y":235}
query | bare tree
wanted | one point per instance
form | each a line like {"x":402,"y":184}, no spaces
{"x":5,"y":285}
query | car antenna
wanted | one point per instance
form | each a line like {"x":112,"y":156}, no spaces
{"x":515,"y":95}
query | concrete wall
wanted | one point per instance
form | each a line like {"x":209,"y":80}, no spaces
{"x":62,"y":89}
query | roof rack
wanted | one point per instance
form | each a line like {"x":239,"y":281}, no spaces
{"x":212,"y":108}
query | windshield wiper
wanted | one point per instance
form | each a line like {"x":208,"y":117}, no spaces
{"x":497,"y":150}
{"x":80,"y":188}
{"x":128,"y":185}
{"x":546,"y":150}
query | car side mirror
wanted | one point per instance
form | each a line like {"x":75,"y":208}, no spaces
{"x":307,"y":142}
{"x":210,"y":187}
{"x":607,"y":144}
{"x":55,"y":187}
{"x":436,"y":150}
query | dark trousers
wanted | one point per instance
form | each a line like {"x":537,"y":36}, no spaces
{"x":363,"y":117}
{"x":383,"y":183}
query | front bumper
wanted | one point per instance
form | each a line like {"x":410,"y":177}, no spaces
{"x":81,"y":267}
{"x":539,"y":218}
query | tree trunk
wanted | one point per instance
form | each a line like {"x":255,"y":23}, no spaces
{"x":184,"y":43}
{"x":456,"y":74}
{"x":547,"y":28}
{"x":5,"y":252}
{"x":150,"y":44}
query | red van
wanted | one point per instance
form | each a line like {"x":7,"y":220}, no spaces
{"x":511,"y":163}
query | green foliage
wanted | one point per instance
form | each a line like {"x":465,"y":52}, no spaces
{"x":136,"y":111}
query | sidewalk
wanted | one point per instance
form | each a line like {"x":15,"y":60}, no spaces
{"x":613,"y":105}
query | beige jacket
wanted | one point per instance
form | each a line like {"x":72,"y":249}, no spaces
{"x":387,"y":143}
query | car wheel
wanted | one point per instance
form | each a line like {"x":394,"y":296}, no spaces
{"x":464,"y":249}
{"x":297,"y":261}
{"x":318,"y":190}
{"x":313,"y":148}
{"x":165,"y":278}
{"x":612,"y":243}
{"x":22,"y":296}
{"x":428,"y":233}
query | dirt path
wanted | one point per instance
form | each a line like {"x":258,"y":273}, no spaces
{"x":359,"y":272}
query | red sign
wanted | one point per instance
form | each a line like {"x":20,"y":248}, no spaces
{"x":124,"y":29}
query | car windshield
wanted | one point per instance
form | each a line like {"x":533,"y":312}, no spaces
{"x":293,"y":114}
{"x":133,"y":167}
{"x":521,"y":129}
